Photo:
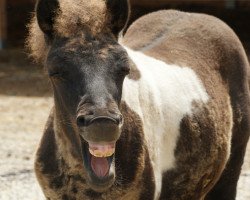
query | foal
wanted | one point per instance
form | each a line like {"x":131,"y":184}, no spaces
{"x":161,"y":114}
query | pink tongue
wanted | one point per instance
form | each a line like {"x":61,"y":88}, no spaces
{"x":100,"y":166}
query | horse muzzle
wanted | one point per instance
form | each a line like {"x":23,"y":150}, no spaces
{"x":100,"y":129}
{"x":99,"y":136}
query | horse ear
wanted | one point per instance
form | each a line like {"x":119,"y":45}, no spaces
{"x":119,"y":12}
{"x":46,"y":11}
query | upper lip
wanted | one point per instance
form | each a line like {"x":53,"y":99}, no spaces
{"x":102,"y":149}
{"x":104,"y":118}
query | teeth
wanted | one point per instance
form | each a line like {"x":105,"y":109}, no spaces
{"x":101,"y":154}
{"x":102,"y":150}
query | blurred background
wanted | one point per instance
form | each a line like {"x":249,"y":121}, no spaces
{"x":25,"y":96}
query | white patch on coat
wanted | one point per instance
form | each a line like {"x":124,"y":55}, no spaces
{"x":162,"y":97}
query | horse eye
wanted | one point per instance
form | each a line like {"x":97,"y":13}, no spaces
{"x":125,"y":69}
{"x":54,"y":74}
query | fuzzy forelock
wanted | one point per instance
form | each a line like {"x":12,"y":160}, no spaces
{"x":75,"y":14}
{"x":72,"y":17}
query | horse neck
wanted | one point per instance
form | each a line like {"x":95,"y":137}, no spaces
{"x":67,"y":139}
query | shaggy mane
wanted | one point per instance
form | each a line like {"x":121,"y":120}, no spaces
{"x":71,"y":18}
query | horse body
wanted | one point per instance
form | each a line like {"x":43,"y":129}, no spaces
{"x":184,"y":106}
{"x":215,"y":60}
{"x":162,"y":97}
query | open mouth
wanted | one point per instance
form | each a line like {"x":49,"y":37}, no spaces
{"x":99,"y":162}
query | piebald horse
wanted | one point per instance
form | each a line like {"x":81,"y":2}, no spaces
{"x":159,"y":113}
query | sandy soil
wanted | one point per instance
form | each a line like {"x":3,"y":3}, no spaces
{"x":25,"y":101}
{"x":24,"y":106}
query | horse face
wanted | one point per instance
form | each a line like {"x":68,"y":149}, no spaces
{"x":87,"y":75}
{"x":86,"y":66}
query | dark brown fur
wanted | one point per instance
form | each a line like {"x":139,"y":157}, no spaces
{"x":134,"y":172}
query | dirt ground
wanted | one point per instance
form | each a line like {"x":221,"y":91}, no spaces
{"x":24,"y":106}
{"x":25,"y":101}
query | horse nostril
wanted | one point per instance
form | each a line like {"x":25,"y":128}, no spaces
{"x":84,"y":120}
{"x":81,"y":121}
{"x":116,"y":116}
{"x":118,"y":119}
